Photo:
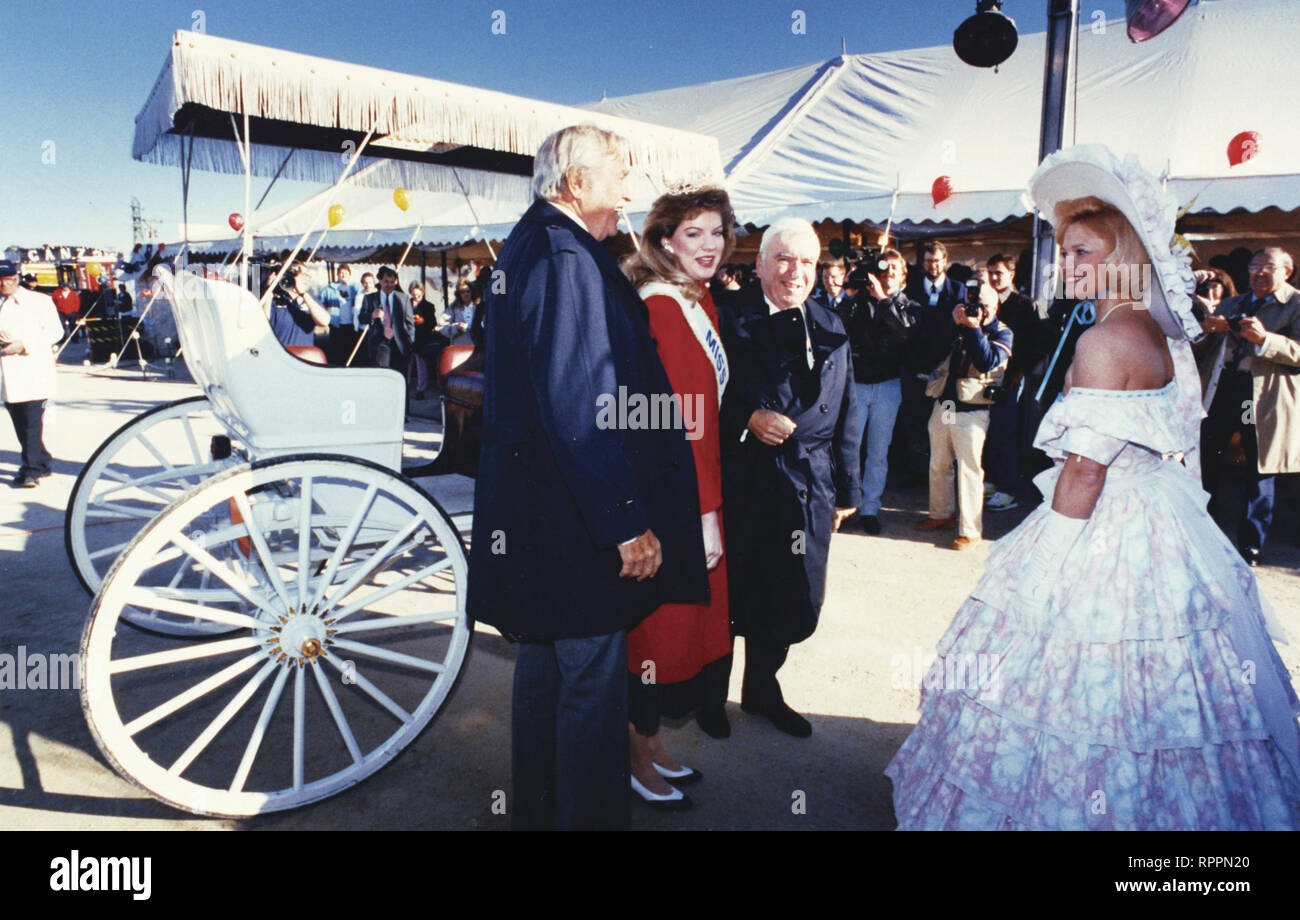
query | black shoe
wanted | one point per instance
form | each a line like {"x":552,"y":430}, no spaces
{"x":870,"y":524}
{"x":1251,"y":555}
{"x":783,"y":717}
{"x":713,"y":722}
{"x":25,"y":481}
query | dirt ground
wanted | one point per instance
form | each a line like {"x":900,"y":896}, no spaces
{"x":889,"y":599}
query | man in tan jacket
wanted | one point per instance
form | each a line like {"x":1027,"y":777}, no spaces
{"x":1254,"y":388}
{"x":29,"y":327}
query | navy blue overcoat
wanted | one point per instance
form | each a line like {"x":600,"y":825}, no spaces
{"x":563,"y":478}
{"x":779,"y":502}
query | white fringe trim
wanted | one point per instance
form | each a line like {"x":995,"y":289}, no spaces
{"x":232,"y":76}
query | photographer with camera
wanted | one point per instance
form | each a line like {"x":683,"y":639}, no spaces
{"x":294,"y":314}
{"x":880,"y":325}
{"x":964,"y":385}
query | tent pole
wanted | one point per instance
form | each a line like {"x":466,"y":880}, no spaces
{"x":271,"y":184}
{"x":446,"y":296}
{"x":424,"y":270}
{"x":1062,"y":22}
{"x":248,"y":198}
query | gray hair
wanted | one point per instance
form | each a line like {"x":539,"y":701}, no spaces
{"x":574,"y":147}
{"x":787,"y":226}
{"x":1286,"y":257}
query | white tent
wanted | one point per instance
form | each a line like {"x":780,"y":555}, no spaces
{"x":834,"y":139}
{"x":307,"y":114}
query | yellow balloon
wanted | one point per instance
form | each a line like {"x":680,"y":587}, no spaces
{"x":402,"y":199}
{"x":336,"y":214}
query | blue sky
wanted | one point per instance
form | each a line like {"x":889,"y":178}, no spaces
{"x":77,"y":73}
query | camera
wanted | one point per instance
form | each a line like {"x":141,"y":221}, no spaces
{"x":995,"y":391}
{"x":1234,"y":323}
{"x":972,"y":299}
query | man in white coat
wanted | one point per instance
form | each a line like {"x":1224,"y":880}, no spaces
{"x":29,"y":328}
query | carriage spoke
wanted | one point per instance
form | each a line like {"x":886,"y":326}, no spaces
{"x":263,"y":551}
{"x":332,"y":702}
{"x":400,"y":585}
{"x":299,"y":707}
{"x":177,"y":655}
{"x":221,"y":570}
{"x":147,"y":599}
{"x":114,"y":549}
{"x":345,"y":544}
{"x":189,"y":436}
{"x":259,"y":731}
{"x":163,"y":460}
{"x":183,"y":699}
{"x":223,"y":718}
{"x":378,"y":695}
{"x":304,"y":540}
{"x":167,"y":476}
{"x":388,"y":621}
{"x":383,"y":654}
{"x":383,"y":553}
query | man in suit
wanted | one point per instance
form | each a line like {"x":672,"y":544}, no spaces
{"x":790,"y":459}
{"x":936,"y":294}
{"x":831,"y":294}
{"x":391,"y":339}
{"x":1254,"y":390}
{"x":1034,"y":340}
{"x":584,"y":520}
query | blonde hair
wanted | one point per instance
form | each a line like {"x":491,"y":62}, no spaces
{"x":651,"y":262}
{"x":1107,"y":222}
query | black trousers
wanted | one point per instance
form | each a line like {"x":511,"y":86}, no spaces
{"x":29,"y":425}
{"x":762,"y":661}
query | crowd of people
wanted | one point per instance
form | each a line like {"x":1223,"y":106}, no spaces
{"x":375,"y":324}
{"x":638,"y":552}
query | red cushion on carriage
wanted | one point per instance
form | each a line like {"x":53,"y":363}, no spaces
{"x":452,"y":357}
{"x":309,"y":353}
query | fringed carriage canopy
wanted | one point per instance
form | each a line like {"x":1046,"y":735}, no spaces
{"x":307,"y":115}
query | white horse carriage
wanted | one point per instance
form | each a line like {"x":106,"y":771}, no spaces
{"x":296,"y":604}
{"x":303,"y":602}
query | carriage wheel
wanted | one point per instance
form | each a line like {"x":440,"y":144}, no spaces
{"x":143,"y":467}
{"x":344,"y":585}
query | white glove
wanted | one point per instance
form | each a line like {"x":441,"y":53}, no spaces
{"x":712,"y":539}
{"x":1041,"y":569}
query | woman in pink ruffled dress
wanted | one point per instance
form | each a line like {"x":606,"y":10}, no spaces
{"x":1113,"y":669}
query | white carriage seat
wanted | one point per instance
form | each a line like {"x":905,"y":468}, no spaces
{"x":273,"y":402}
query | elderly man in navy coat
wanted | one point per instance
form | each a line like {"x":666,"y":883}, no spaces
{"x":584,"y":520}
{"x":790,"y":460}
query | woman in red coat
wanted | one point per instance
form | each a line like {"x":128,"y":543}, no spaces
{"x":679,"y":656}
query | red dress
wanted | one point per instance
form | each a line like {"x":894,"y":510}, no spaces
{"x":682,"y":638}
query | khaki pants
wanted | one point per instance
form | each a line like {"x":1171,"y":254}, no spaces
{"x":958,"y":436}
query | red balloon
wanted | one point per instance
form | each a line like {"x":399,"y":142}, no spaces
{"x":1243,"y":147}
{"x":941,"y":190}
{"x":236,"y":221}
